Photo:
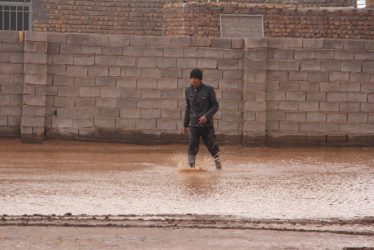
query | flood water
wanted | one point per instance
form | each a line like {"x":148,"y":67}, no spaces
{"x":58,"y":177}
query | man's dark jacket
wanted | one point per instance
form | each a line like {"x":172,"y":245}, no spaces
{"x":200,"y":102}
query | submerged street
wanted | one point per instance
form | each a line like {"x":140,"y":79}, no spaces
{"x":117,"y":180}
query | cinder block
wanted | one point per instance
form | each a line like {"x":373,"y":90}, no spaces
{"x":333,"y":43}
{"x":140,"y":40}
{"x":85,"y":102}
{"x":364,"y":55}
{"x":166,"y":124}
{"x":344,"y":54}
{"x":330,"y":65}
{"x":146,"y":62}
{"x":105,"y":81}
{"x":144,"y":124}
{"x":84,"y":60}
{"x":255,"y":43}
{"x":119,"y":40}
{"x":33,"y":121}
{"x":221,"y":43}
{"x":201,"y":41}
{"x":125,"y":61}
{"x":171,"y":73}
{"x":182,"y":41}
{"x":148,"y":104}
{"x":34,"y":100}
{"x":304,"y":54}
{"x":325,"y":54}
{"x":106,"y":102}
{"x":329,"y":106}
{"x":126,"y":124}
{"x":131,"y":72}
{"x":351,"y":66}
{"x":167,"y":83}
{"x":166,"y":62}
{"x":292,"y":43}
{"x":76,"y":70}
{"x":76,"y":38}
{"x":308,"y":106}
{"x":150,"y":93}
{"x":354,"y":44}
{"x":336,"y":117}
{"x":207,"y":63}
{"x":108,"y":112}
{"x":313,"y":43}
{"x":368,"y":67}
{"x":130,"y":113}
{"x":68,"y":91}
{"x":310,"y":65}
{"x":160,"y":41}
{"x":116,"y":51}
{"x":89,"y":91}
{"x":349,"y":107}
{"x":295,"y":96}
{"x":109,"y":92}
{"x":154,"y":73}
{"x":316,"y":96}
{"x":151,"y":51}
{"x":315,"y":117}
{"x":295,"y":116}
{"x":59,"y":101}
{"x":125,"y":103}
{"x":146,"y":83}
{"x":171,"y":114}
{"x":105,"y":60}
{"x":104,"y":122}
{"x":135,"y":51}
{"x":358,"y":117}
{"x":186,"y":63}
{"x":98,"y":39}
{"x":173,"y":52}
{"x":338,"y":76}
{"x":150,"y":113}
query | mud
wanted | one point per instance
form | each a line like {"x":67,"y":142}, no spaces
{"x":60,"y":177}
{"x":172,"y":238}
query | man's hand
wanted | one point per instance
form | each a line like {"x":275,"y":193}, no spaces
{"x":185,"y":131}
{"x":203,"y":120}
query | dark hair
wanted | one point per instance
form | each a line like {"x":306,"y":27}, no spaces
{"x":196,"y":73}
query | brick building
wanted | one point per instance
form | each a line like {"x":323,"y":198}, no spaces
{"x":137,"y":17}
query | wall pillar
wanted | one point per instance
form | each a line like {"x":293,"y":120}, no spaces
{"x":254,"y":91}
{"x":34,"y":88}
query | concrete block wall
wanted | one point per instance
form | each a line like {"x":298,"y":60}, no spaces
{"x":320,"y":91}
{"x":11,"y":83}
{"x":131,"y":88}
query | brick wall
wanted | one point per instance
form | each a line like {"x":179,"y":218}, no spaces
{"x":202,"y":19}
{"x":137,"y":17}
{"x":130,"y":88}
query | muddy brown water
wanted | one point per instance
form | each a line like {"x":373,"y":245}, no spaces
{"x":61,"y":177}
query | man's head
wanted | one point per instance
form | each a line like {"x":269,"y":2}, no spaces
{"x":196,"y":77}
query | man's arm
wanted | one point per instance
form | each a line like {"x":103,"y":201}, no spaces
{"x":187,"y":111}
{"x":214,"y":104}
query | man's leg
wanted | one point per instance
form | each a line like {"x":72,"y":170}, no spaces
{"x":210,"y":141}
{"x":193,"y":145}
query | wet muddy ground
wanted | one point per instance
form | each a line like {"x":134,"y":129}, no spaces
{"x":61,"y":177}
{"x":101,"y":195}
{"x":170,"y":238}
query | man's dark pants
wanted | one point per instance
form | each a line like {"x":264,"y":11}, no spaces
{"x":208,"y":135}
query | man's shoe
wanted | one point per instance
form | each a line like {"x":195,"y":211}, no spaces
{"x":191,"y":160}
{"x":217,"y":161}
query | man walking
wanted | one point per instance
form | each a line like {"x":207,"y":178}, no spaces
{"x":201,"y":105}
